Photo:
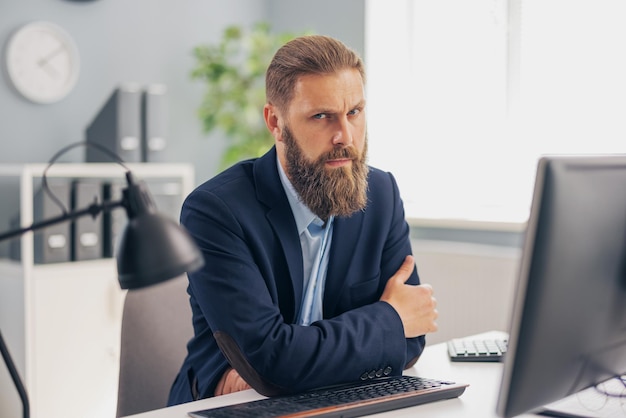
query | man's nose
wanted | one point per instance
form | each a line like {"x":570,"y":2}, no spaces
{"x":343,"y":134}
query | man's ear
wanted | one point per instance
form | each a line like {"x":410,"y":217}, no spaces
{"x":272,"y":117}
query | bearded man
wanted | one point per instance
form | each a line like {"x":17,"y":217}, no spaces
{"x":309,"y":279}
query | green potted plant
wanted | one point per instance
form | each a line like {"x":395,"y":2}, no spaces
{"x":234,"y":72}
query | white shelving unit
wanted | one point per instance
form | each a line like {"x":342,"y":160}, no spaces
{"x":62,"y":321}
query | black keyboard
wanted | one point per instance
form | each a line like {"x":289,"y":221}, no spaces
{"x":491,"y":349}
{"x":350,"y":400}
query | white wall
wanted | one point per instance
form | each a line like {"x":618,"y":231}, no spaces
{"x":473,"y":285}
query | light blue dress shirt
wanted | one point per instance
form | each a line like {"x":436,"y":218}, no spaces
{"x":315,"y":240}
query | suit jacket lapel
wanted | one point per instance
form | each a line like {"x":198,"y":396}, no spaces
{"x":346,"y":233}
{"x":279,"y":215}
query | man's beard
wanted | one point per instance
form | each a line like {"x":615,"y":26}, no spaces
{"x":328,"y":191}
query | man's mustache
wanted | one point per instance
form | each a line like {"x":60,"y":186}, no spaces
{"x":340,"y":153}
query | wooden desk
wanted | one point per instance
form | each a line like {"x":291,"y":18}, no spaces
{"x":479,"y":399}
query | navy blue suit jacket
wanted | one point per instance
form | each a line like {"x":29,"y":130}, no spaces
{"x":247,"y":297}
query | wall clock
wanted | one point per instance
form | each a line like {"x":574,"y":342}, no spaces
{"x":42,"y":62}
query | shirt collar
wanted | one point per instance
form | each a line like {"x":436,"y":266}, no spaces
{"x":301,"y":213}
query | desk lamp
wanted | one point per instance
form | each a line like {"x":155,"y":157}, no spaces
{"x":153,"y":248}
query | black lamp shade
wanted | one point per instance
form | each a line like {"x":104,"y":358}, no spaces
{"x":153,"y":248}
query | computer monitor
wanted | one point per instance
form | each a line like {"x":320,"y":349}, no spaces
{"x":568,"y":324}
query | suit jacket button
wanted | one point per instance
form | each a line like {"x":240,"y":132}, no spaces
{"x":372,"y":374}
{"x":364,"y":376}
{"x":379,"y":373}
{"x":387,"y":371}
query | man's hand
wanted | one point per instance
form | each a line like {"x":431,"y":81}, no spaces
{"x":415,"y":304}
{"x":230,"y":382}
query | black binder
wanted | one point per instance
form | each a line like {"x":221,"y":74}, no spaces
{"x":52,"y":244}
{"x":117,"y":126}
{"x":154,"y":119}
{"x":86,"y":231}
{"x":114,"y":221}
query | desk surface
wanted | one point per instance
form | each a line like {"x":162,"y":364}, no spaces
{"x":479,"y":399}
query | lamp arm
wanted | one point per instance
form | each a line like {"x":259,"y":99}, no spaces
{"x":94,"y":210}
{"x":16,"y":378}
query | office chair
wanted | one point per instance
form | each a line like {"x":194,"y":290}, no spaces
{"x":156,"y":325}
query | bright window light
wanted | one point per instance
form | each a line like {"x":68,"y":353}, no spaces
{"x":465,"y":96}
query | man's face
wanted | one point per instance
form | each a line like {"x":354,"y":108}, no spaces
{"x":323,"y":144}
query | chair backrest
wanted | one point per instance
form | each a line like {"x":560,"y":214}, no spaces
{"x":156,"y":326}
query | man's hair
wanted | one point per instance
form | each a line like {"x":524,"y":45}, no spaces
{"x":312,"y":54}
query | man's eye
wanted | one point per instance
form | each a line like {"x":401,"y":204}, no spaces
{"x":354,"y":112}
{"x":320,"y":116}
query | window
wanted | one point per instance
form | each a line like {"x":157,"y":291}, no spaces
{"x":464,"y":96}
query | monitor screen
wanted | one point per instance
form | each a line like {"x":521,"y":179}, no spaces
{"x":568,"y":324}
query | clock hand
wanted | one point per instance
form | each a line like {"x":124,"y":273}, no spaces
{"x":43,"y":61}
{"x":51,"y":71}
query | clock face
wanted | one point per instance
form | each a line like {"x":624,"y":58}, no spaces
{"x":42,"y":62}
